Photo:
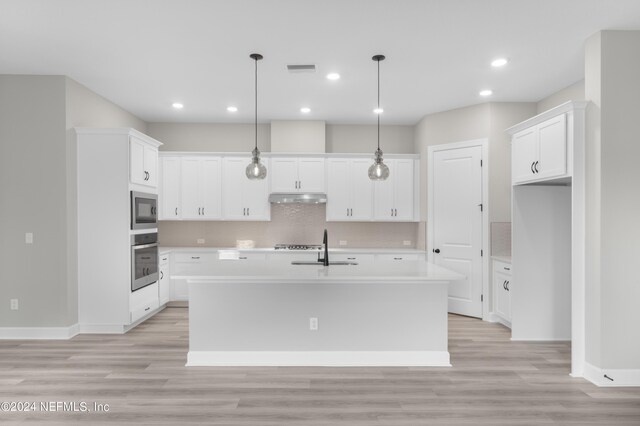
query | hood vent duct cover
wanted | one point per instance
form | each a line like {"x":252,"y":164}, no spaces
{"x":295,"y":198}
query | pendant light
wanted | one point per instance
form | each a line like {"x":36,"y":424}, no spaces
{"x":378,"y":170}
{"x":255,"y":169}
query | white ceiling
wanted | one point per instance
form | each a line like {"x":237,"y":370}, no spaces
{"x":145,"y":54}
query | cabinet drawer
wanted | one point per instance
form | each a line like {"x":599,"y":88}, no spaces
{"x":355,"y":257}
{"x":143,"y":301}
{"x":163,"y":260}
{"x":398,"y":257}
{"x":238,"y":255}
{"x":502,"y":267}
{"x":194,"y":257}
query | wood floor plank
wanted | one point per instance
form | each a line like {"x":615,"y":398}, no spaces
{"x":142,"y":377}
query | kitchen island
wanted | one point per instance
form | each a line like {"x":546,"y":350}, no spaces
{"x":262,"y":313}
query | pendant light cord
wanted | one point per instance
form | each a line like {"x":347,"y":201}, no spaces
{"x":378,"y":104}
{"x":256,"y":103}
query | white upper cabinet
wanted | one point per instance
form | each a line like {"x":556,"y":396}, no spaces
{"x":169,"y":191}
{"x":242,"y":198}
{"x":143,"y":162}
{"x":201,"y":184}
{"x":539,"y":152}
{"x":394,"y":197}
{"x":291,"y":174}
{"x":349,"y":190}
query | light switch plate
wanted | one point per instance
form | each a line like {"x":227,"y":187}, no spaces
{"x":406,"y":243}
{"x":200,"y":240}
{"x":313,"y":324}
{"x":342,"y":242}
{"x":28,"y":238}
{"x":14,"y":304}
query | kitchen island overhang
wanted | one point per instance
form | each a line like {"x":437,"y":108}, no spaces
{"x":374,"y":314}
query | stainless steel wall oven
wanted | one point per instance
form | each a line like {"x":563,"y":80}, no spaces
{"x":144,"y":260}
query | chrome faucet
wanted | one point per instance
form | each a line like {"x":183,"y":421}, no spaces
{"x":325,"y":247}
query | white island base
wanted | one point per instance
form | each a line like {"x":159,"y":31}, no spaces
{"x":381,"y":314}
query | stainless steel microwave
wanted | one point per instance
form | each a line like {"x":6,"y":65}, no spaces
{"x":144,"y":210}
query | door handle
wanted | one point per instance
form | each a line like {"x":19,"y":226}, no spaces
{"x":161,"y":275}
{"x":242,"y":257}
{"x":176,"y":211}
{"x":507,"y":286}
{"x":391,"y":212}
{"x":198,"y":211}
{"x":436,"y":251}
{"x":248,"y":213}
{"x":195,"y":257}
{"x":535,"y":166}
{"x":396,"y":210}
{"x":532,"y":163}
{"x":244,"y":211}
{"x":299,"y":184}
{"x":397,"y":258}
{"x":203,"y":210}
{"x":347,"y":211}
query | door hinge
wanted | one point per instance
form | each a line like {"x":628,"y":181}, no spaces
{"x":481,"y":253}
{"x":482,"y":297}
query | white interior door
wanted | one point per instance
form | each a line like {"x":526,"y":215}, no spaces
{"x":457,"y":223}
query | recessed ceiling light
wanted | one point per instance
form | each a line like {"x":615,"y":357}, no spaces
{"x":333,"y":76}
{"x":500,"y":62}
{"x":177,"y":105}
{"x":486,"y":92}
{"x":305,"y":110}
{"x":232,"y":109}
{"x":378,"y":110}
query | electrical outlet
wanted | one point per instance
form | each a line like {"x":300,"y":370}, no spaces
{"x":28,"y":238}
{"x":342,"y":242}
{"x":200,"y":240}
{"x":406,"y":243}
{"x":14,"y":304}
{"x":313,"y":324}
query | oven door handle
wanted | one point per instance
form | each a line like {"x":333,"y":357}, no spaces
{"x":143,"y":246}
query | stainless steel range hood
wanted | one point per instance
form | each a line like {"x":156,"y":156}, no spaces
{"x":295,"y":198}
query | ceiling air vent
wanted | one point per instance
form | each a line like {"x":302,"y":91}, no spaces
{"x":301,"y":68}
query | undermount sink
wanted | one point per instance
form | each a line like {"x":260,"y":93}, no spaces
{"x":316,"y":263}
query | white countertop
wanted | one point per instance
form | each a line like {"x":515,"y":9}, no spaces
{"x":270,"y":271}
{"x":164,"y":250}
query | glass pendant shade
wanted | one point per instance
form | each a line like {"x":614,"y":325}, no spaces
{"x":255,"y":169}
{"x":378,"y":170}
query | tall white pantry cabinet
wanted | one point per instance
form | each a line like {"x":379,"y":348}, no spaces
{"x":110,"y":164}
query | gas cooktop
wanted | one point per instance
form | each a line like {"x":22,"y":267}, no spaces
{"x":298,"y":247}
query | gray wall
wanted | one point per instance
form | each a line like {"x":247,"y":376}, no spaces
{"x":613,"y":200}
{"x":37,"y":193}
{"x":575,"y":92}
{"x":289,"y":224}
{"x":32,"y":199}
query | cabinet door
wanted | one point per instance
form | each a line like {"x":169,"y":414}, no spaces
{"x":502,"y":296}
{"x":169,"y":196}
{"x":190,"y":188}
{"x":284,"y":175}
{"x":211,"y":192}
{"x":151,"y":165}
{"x":233,"y":171}
{"x":338,"y":189}
{"x":403,"y":189}
{"x":384,"y":195}
{"x":255,"y":198}
{"x":311,"y":176}
{"x":163,"y":285}
{"x":552,"y":147}
{"x":524,"y":152}
{"x":361,"y":190}
{"x":136,"y":161}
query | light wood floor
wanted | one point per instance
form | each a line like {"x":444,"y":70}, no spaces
{"x":141,"y":375}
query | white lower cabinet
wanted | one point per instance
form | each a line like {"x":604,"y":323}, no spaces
{"x":144,"y":301}
{"x":164,"y":286}
{"x":502,"y":284}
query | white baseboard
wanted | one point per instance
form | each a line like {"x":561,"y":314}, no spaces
{"x":319,"y":358}
{"x":614,"y":377}
{"x":102,"y":329}
{"x":493,"y":317}
{"x":46,"y":333}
